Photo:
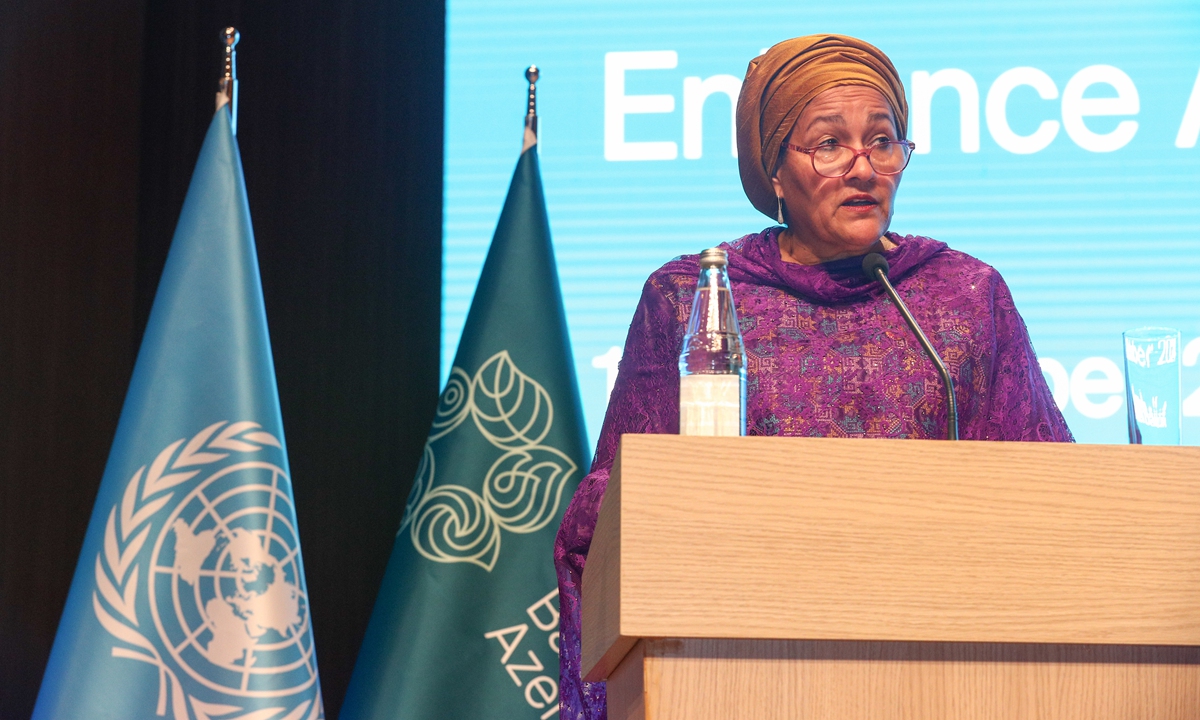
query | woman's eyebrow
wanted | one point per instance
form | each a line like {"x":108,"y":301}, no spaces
{"x":839,"y":120}
{"x":834,"y":119}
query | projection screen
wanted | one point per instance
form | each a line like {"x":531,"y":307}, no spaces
{"x":1056,"y":141}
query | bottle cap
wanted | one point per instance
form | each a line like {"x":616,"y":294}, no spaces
{"x":713,"y":257}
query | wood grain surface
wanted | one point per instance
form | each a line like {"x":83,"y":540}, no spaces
{"x":777,"y":679}
{"x":603,"y":574}
{"x":900,"y":540}
{"x":626,"y":686}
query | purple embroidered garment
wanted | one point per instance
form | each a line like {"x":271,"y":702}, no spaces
{"x":826,"y":355}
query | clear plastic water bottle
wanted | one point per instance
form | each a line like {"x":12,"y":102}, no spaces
{"x":712,"y":365}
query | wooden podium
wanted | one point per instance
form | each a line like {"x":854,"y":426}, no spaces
{"x":878,"y":579}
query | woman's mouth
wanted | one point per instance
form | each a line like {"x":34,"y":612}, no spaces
{"x":860,"y":203}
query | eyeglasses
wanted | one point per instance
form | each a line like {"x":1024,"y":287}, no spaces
{"x":833,"y":160}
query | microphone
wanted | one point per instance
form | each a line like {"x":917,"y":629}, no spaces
{"x":875,"y":267}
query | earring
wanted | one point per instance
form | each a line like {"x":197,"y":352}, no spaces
{"x":779,"y":212}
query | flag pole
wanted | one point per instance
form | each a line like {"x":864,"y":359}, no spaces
{"x":531,"y":118}
{"x":227,"y":86}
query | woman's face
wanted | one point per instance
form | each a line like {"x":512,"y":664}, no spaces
{"x":838,"y":217}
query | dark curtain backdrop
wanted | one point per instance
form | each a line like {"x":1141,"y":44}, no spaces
{"x":103,"y":106}
{"x":69,"y":98}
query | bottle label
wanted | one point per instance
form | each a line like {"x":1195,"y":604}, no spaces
{"x":710,"y":405}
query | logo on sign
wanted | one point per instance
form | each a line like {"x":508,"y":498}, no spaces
{"x":521,"y":491}
{"x":228,"y":616}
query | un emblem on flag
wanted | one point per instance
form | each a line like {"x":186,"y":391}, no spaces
{"x":223,"y":582}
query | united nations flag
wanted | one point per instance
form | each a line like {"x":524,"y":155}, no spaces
{"x":466,"y":623}
{"x":189,"y":599}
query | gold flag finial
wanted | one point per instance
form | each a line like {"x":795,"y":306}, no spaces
{"x":531,"y":118}
{"x":227,"y":87}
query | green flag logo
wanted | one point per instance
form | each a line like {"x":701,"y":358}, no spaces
{"x":521,"y":492}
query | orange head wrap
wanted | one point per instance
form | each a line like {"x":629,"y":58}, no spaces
{"x":781,"y":82}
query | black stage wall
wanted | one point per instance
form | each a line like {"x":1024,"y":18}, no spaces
{"x":103,"y":106}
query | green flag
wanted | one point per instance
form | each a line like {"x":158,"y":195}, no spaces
{"x":466,"y":622}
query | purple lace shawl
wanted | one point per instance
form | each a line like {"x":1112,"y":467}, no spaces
{"x":827,"y":355}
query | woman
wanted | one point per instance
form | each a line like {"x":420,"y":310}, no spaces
{"x":821,"y":125}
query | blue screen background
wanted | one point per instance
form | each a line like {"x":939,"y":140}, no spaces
{"x":1091,"y":243}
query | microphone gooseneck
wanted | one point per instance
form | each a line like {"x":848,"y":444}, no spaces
{"x":875,"y":267}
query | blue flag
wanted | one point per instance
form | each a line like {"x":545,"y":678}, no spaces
{"x":466,"y":623}
{"x":189,"y":599}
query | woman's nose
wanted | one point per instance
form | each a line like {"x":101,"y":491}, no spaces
{"x":862,"y":170}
